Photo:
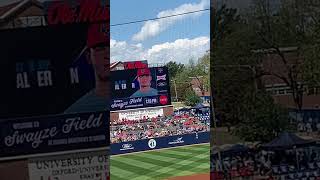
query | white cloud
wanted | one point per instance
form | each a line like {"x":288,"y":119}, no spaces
{"x":180,"y":50}
{"x":153,"y":28}
{"x":122,"y":51}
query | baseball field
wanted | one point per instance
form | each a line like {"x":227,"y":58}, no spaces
{"x":186,"y":162}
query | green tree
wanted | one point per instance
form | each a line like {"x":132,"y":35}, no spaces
{"x":222,"y":23}
{"x":293,"y":24}
{"x":236,"y":65}
{"x":174,"y":68}
{"x":199,"y":71}
{"x":232,"y":68}
{"x":262,"y":120}
{"x":191,"y":99}
{"x":184,"y":73}
{"x":182,"y":81}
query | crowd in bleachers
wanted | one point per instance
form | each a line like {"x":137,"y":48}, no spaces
{"x":311,"y":125}
{"x":123,"y":130}
{"x":300,"y":164}
{"x":235,"y":166}
{"x":306,"y":123}
{"x":291,"y":164}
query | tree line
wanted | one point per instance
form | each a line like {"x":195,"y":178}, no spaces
{"x":240,"y":41}
{"x":181,"y":76}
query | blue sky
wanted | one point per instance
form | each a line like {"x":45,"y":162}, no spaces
{"x":178,"y":38}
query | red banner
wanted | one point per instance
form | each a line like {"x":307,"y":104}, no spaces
{"x":135,"y":65}
{"x":86,"y":11}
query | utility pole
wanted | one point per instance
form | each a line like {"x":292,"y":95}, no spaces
{"x":175,"y":89}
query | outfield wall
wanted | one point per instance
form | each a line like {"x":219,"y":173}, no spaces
{"x":159,"y":143}
{"x":167,"y":111}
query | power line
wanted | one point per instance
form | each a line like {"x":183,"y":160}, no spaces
{"x":152,"y":19}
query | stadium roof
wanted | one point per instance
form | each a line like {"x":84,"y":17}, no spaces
{"x":10,"y":9}
{"x":7,"y":8}
{"x":112,"y":65}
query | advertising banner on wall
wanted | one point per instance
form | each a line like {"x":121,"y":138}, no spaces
{"x":159,"y":143}
{"x":88,"y":166}
{"x":54,"y":76}
{"x":141,"y":114}
{"x":138,"y":88}
{"x":52,"y":134}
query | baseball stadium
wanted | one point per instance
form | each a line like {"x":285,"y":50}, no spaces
{"x":150,"y":137}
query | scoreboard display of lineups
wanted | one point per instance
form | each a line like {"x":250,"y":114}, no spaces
{"x":51,"y":93}
{"x":140,"y":88}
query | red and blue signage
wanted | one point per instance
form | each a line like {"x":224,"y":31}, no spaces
{"x":160,"y":142}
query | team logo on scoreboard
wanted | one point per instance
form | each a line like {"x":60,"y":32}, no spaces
{"x":163,"y":77}
{"x":161,"y":84}
{"x":160,"y":70}
{"x":163,"y":100}
{"x":152,"y":143}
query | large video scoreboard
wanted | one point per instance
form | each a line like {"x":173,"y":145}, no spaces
{"x":140,"y":88}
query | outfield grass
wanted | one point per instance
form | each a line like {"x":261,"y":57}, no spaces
{"x":161,"y":164}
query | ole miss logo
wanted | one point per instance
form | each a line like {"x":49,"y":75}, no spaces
{"x":82,"y":11}
{"x":163,"y":100}
{"x":135,"y":65}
